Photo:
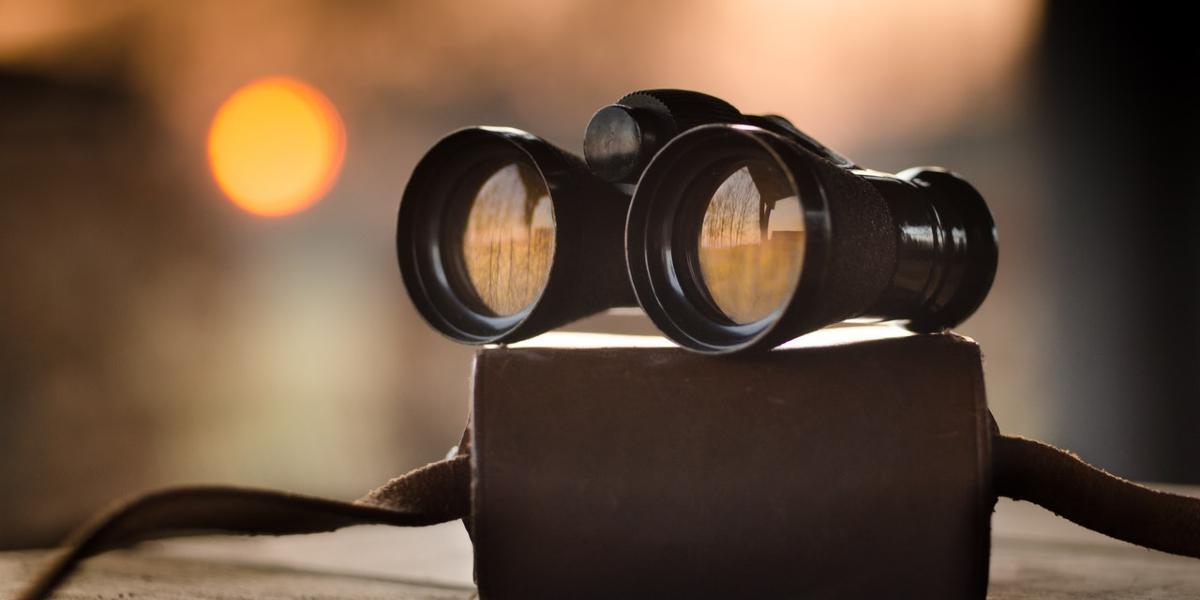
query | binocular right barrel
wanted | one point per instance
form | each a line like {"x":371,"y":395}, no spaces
{"x":739,"y":238}
{"x":734,"y":232}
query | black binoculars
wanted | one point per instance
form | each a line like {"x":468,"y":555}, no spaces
{"x":732,"y":232}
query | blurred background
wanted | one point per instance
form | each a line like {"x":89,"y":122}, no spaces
{"x":157,"y":328}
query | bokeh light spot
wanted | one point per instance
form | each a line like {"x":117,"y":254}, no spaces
{"x":275,"y":146}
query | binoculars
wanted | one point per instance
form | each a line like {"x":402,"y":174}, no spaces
{"x":733,"y":232}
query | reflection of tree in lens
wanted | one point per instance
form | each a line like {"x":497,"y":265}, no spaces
{"x":508,"y":242}
{"x":751,"y":244}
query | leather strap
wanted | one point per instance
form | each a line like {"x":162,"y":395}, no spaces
{"x":439,"y":492}
{"x":435,"y":493}
{"x":1059,"y":481}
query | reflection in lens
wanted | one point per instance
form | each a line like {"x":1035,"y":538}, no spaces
{"x":508,"y":242}
{"x":751,"y":245}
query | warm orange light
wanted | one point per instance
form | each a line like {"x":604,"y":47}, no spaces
{"x":276,"y":146}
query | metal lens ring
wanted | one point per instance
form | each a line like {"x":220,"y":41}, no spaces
{"x":434,"y":232}
{"x":667,"y":225}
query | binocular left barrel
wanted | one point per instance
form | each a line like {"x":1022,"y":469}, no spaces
{"x":502,"y":236}
{"x":732,"y":232}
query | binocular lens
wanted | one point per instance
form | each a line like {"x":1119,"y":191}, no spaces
{"x":751,"y":242}
{"x":508,"y":239}
{"x":502,"y":236}
{"x":733,"y":232}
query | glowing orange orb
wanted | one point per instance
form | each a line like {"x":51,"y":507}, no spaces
{"x":276,"y":146}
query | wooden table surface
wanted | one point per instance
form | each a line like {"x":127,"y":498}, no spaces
{"x":1034,"y":555}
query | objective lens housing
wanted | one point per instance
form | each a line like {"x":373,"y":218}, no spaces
{"x":919,"y":246}
{"x":502,"y":236}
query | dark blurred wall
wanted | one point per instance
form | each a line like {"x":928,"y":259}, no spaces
{"x":94,"y":235}
{"x":1118,"y":115}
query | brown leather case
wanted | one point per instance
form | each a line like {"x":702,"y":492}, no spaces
{"x":858,"y":470}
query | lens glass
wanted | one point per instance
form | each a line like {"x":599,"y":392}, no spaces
{"x":751,"y":243}
{"x":508,"y":239}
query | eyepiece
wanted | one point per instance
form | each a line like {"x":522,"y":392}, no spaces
{"x":502,"y":236}
{"x":616,"y":142}
{"x":622,"y":137}
{"x":741,"y":238}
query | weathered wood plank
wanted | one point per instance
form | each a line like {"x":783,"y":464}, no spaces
{"x":1038,"y":555}
{"x":142,"y":575}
